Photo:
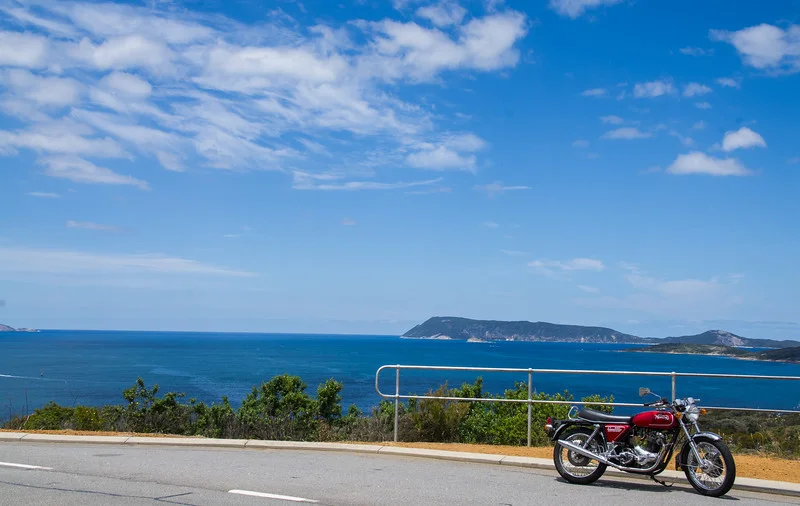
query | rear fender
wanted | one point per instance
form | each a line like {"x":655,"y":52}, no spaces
{"x":563,"y":425}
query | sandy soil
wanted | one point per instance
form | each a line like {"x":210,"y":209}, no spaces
{"x":749,"y":466}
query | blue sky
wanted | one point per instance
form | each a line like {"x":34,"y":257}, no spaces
{"x":359,"y":166}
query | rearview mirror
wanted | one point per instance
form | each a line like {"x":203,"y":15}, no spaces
{"x":643,"y":391}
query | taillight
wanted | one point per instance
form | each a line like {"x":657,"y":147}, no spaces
{"x":548,"y":425}
{"x":549,"y":420}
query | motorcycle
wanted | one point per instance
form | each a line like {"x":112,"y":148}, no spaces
{"x":589,"y":441}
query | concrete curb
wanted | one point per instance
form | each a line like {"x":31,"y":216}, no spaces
{"x":747,"y":484}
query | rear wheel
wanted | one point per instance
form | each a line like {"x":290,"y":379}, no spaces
{"x":574,"y":467}
{"x":715,"y":472}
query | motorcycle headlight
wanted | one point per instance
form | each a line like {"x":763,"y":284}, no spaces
{"x":692,"y":414}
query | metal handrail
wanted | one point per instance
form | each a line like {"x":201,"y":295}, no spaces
{"x":530,"y":401}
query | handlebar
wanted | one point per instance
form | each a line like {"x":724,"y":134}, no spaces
{"x":661,"y":401}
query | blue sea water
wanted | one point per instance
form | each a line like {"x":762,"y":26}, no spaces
{"x":93,"y":367}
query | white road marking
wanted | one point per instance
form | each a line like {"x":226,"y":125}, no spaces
{"x":272,"y":496}
{"x":25,"y":466}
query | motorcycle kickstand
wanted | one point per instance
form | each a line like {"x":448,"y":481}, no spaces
{"x":652,"y":477}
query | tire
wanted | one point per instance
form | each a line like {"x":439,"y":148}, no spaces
{"x":578,"y":469}
{"x":717,"y":479}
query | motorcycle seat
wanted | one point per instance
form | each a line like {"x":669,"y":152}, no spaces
{"x":596,"y":416}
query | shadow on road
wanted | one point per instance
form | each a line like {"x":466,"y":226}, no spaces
{"x":645,"y":487}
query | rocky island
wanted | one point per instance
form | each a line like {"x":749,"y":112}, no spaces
{"x":6,"y":328}
{"x":465,"y":329}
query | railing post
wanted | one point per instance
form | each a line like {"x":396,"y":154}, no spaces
{"x":530,"y":387}
{"x":673,"y":387}
{"x":396,"y":399}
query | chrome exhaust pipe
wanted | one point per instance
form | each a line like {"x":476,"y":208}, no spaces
{"x":586,"y":453}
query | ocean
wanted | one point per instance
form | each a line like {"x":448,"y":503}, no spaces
{"x":93,"y":367}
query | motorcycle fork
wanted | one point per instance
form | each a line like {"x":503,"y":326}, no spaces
{"x":689,"y":439}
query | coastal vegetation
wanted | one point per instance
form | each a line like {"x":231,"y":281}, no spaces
{"x":283,"y":409}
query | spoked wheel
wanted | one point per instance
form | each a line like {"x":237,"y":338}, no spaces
{"x":714,"y":473}
{"x":574,"y":467}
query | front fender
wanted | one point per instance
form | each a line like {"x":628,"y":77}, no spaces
{"x":682,"y":456}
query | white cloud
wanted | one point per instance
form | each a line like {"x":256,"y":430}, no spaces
{"x":728,"y":82}
{"x":580,"y":143}
{"x":696,"y":51}
{"x":626,"y":133}
{"x":305,"y":181}
{"x":652,"y":89}
{"x":44,"y":91}
{"x":513,"y":253}
{"x":23,"y":49}
{"x":128,"y":84}
{"x":44,"y":261}
{"x":703,"y":105}
{"x":490,"y":224}
{"x":673,"y":288}
{"x":765,"y":46}
{"x":576,"y":264}
{"x":700,"y":125}
{"x":588,"y":289}
{"x":697,"y":162}
{"x":695,"y":89}
{"x":443,"y":14}
{"x":594,"y":92}
{"x":88,"y":225}
{"x":575,"y":8}
{"x":686,"y":141}
{"x":742,"y":139}
{"x":82,"y":171}
{"x":348,"y":222}
{"x":173,"y":85}
{"x":498,"y":188}
{"x":612,"y":120}
{"x":44,"y":195}
{"x":794,"y":160}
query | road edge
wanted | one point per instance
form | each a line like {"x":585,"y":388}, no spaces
{"x":744,"y":484}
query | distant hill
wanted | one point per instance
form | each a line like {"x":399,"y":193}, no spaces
{"x":451,"y":327}
{"x":490,"y":330}
{"x":723,"y":338}
{"x":776,"y":355}
{"x":6,"y":328}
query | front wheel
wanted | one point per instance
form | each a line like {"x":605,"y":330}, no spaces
{"x":574,"y":467}
{"x":714,"y":473}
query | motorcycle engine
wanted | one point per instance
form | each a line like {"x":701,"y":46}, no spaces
{"x":647,"y":445}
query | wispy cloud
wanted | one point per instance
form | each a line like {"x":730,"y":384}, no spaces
{"x":44,"y":195}
{"x":498,"y":188}
{"x":88,"y":225}
{"x":305,"y":181}
{"x":594,"y":92}
{"x":47,"y":261}
{"x":588,"y":289}
{"x":696,"y":89}
{"x":186,"y":90}
{"x":576,"y":8}
{"x":696,"y":51}
{"x":612,"y":120}
{"x":576,"y":264}
{"x":580,"y":143}
{"x":653,"y":89}
{"x":626,"y":133}
{"x":513,"y":253}
{"x":349,"y":222}
{"x":703,"y":105}
{"x":490,"y":224}
{"x":729,"y":82}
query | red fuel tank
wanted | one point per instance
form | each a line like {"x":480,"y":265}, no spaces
{"x":655,"y":420}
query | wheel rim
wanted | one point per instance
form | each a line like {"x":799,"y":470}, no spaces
{"x":574,"y":463}
{"x":710,"y":472}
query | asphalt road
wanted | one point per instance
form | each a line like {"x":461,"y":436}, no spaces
{"x":130,"y":475}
